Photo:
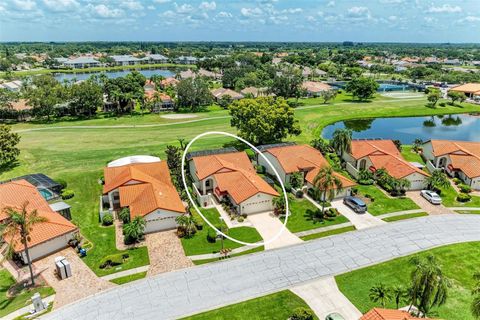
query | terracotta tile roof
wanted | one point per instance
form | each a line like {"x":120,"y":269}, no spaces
{"x":468,"y":88}
{"x":384,"y":154}
{"x":151,"y":94}
{"x":14,"y":194}
{"x":465,"y":155}
{"x":21,"y":104}
{"x":169,"y":82}
{"x":220,"y":92}
{"x":296,"y":158}
{"x":388,"y":314}
{"x":151,"y":189}
{"x":314,"y":86}
{"x":234,"y":174}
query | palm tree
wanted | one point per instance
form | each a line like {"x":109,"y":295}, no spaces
{"x":328,"y":185}
{"x":429,"y":284}
{"x":135,"y":229}
{"x":380,"y":293}
{"x":342,"y":140}
{"x":398,"y":293}
{"x":438,"y":179}
{"x":187,"y":223}
{"x":279,"y":205}
{"x":400,"y":185}
{"x":416,"y":144}
{"x":18,"y":226}
{"x":124,"y":215}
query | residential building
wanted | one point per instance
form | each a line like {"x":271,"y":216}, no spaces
{"x":383,"y":154}
{"x":470,"y":89}
{"x":460,"y":159}
{"x":82,"y":62}
{"x":155,"y":58}
{"x":169,"y":82}
{"x":158,"y":101}
{"x":186,"y":60}
{"x":314,"y":88}
{"x":186,"y":74}
{"x":230,"y":176}
{"x":209,"y":74}
{"x":48,"y":188}
{"x":223,"y":92}
{"x":389,"y":314}
{"x":125,"y":60}
{"x":308,"y":72}
{"x":14,"y":86}
{"x":143,"y":184}
{"x":257,"y":92}
{"x":289,"y":158}
{"x":45,"y":237}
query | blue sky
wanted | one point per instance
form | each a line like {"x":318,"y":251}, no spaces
{"x":235,"y":20}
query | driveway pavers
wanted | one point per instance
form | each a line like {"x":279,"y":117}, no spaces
{"x":360,"y":221}
{"x":188,"y":291}
{"x":431,"y":209}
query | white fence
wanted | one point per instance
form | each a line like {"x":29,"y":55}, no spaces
{"x":203,"y":200}
{"x":352,"y":170}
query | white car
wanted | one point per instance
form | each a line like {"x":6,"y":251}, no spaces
{"x":431,"y":196}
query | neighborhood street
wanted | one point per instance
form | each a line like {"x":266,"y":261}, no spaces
{"x":192,"y":290}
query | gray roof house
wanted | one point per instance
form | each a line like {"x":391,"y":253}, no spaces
{"x":82,"y":62}
{"x":155,"y":58}
{"x":125,"y":60}
{"x":186,"y":60}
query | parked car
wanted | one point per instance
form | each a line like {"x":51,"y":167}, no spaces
{"x":431,"y":196}
{"x":355,"y":204}
{"x":334,"y":316}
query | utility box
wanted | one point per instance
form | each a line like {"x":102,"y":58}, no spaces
{"x":38,"y":304}
{"x":68,"y":269}
{"x":63,"y":267}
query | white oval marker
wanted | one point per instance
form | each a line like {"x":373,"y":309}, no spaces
{"x":269,"y":163}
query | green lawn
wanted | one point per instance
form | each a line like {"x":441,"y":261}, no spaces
{"x":328,"y":233}
{"x":468,"y":211}
{"x":405,"y":216}
{"x":21,"y":299}
{"x":279,"y":305}
{"x":459,"y":262}
{"x":302,"y":219}
{"x":411,"y":156}
{"x":449,"y":196}
{"x":130,"y":278}
{"x":383,"y":204}
{"x":203,"y":261}
{"x":198,"y":244}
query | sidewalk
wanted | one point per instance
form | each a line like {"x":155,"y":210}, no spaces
{"x":125,"y":273}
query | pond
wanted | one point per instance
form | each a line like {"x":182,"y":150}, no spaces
{"x":450,"y":127}
{"x":113,"y":74}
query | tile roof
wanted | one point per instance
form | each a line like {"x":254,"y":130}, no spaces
{"x":314,"y":86}
{"x":388,"y":314}
{"x":14,"y":194}
{"x":169,"y":82}
{"x":468,"y":88}
{"x":465,"y":155}
{"x":151,"y":189}
{"x":220,"y":92}
{"x":234,"y":174}
{"x":294,"y":158}
{"x":384,"y":154}
{"x":20,"y":105}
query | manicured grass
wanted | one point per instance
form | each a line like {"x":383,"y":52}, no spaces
{"x":468,"y":211}
{"x":21,"y":299}
{"x":458,"y":262}
{"x":301,"y":218}
{"x":384,"y":204}
{"x":405,"y":216}
{"x":279,"y":305}
{"x":203,"y":261}
{"x":328,"y":233}
{"x":411,"y":156}
{"x":130,"y":278}
{"x":198,"y":244}
{"x":449,"y":196}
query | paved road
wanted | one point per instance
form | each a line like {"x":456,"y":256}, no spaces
{"x":195,"y":289}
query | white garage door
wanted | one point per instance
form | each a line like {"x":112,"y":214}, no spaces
{"x":417,"y":184}
{"x":160,"y":224}
{"x":256,"y":207}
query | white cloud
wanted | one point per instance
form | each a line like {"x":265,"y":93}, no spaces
{"x":102,"y":11}
{"x":168,"y":14}
{"x":359,"y":13}
{"x":152,"y":8}
{"x":392,"y":1}
{"x":161,"y":1}
{"x":446,"y":8}
{"x":24,"y":5}
{"x":292,"y":10}
{"x":61,"y":5}
{"x":183,"y":9}
{"x":331,"y":4}
{"x":469,"y":19}
{"x":311,"y":19}
{"x":250,"y":13}
{"x":208,"y":6}
{"x":430,"y":19}
{"x":393,"y":18}
{"x":224,"y":14}
{"x":132,"y":5}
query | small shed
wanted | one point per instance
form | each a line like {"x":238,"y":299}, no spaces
{"x":62,"y":208}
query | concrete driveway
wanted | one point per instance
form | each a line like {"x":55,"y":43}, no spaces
{"x":360,"y":221}
{"x":427,"y":206}
{"x":268,"y":225}
{"x":324,"y":297}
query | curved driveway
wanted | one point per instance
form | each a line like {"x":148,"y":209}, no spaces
{"x":195,"y":289}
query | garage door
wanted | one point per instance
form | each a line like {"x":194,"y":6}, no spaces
{"x":160,"y":224}
{"x":256,"y":207}
{"x":417,"y":184}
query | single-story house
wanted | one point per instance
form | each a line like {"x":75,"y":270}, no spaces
{"x":169,"y":82}
{"x":20,"y":110}
{"x":125,"y":60}
{"x":161,"y":100}
{"x":315,"y":88}
{"x":187,"y":74}
{"x":14,"y":85}
{"x":288,"y":158}
{"x":46,"y":237}
{"x":48,"y":188}
{"x":257,"y":92}
{"x":389,"y":314}
{"x":222,"y":92}
{"x":82,"y":62}
{"x":143,"y":184}
{"x":230,"y":176}
{"x":383,"y":154}
{"x":315,"y":72}
{"x":154,"y":58}
{"x":209,"y":74}
{"x":186,"y":60}
{"x":470,"y":89}
{"x":459,"y":159}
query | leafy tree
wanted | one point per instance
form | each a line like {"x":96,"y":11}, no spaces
{"x":328,"y":185}
{"x":456,"y":96}
{"x":7,"y":97}
{"x":380,"y":293}
{"x":8,"y":145}
{"x":225,"y":101}
{"x":438,"y":179}
{"x":429,"y":285}
{"x":125,"y":90}
{"x":85,"y":98}
{"x":342,"y":141}
{"x":134,"y":230}
{"x":193,"y":93}
{"x":433,"y":97}
{"x":279,"y":205}
{"x":43,"y":94}
{"x":417,"y":143}
{"x":17,"y":228}
{"x":264,"y":120}
{"x":328,"y":95}
{"x":296,"y":180}
{"x":174,"y":162}
{"x":398,"y":144}
{"x":321,"y":145}
{"x":287,"y":83}
{"x":362,"y":88}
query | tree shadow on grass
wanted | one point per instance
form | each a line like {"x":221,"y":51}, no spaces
{"x":9,"y":166}
{"x":315,"y":216}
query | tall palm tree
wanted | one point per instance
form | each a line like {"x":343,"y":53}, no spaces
{"x":342,"y":141}
{"x":187,"y":223}
{"x":328,"y":185}
{"x":380,"y":293}
{"x":279,"y":205}
{"x":135,"y":229}
{"x":398,"y":293}
{"x":438,"y":179}
{"x":18,"y":226}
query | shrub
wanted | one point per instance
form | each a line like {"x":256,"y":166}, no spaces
{"x":456,"y":181}
{"x":211,"y":235}
{"x":464,"y":188}
{"x":354,"y":191}
{"x":240,"y":219}
{"x":260,"y":169}
{"x":288,"y":187}
{"x":113,"y":260}
{"x":331,"y":212}
{"x":366,"y":182}
{"x":463,"y":197}
{"x":67,"y":194}
{"x":62,"y":182}
{"x":299,"y":194}
{"x":301,"y":314}
{"x":244,"y":215}
{"x":250,"y":153}
{"x":442,"y":104}
{"x":107,"y":219}
{"x":124,"y":215}
{"x":198,"y":222}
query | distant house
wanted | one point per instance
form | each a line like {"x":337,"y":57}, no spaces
{"x":46,"y":237}
{"x":314,"y":88}
{"x":125,"y":60}
{"x":471,"y":90}
{"x":383,"y":154}
{"x":389,"y":314}
{"x":155,"y":58}
{"x":452,"y":62}
{"x":14,"y":86}
{"x":187,"y":74}
{"x":219,"y":93}
{"x":460,"y":159}
{"x":186,"y":60}
{"x":82,"y":62}
{"x":289,"y":158}
{"x":143,"y":184}
{"x":308,"y":72}
{"x":169,"y":82}
{"x":209,"y":74}
{"x":257,"y":92}
{"x":158,"y":101}
{"x":231,"y":177}
{"x":20,"y":110}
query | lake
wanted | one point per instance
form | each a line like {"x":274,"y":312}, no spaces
{"x":449,"y":127}
{"x":113,"y":74}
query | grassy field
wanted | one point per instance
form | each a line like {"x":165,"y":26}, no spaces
{"x":449,"y":199}
{"x":130,"y":278}
{"x":327,"y":233}
{"x":203,"y":261}
{"x":383,"y":204}
{"x":21,"y":299}
{"x":279,"y":305}
{"x":405,"y":216}
{"x":411,"y":156}
{"x":459,"y":262}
